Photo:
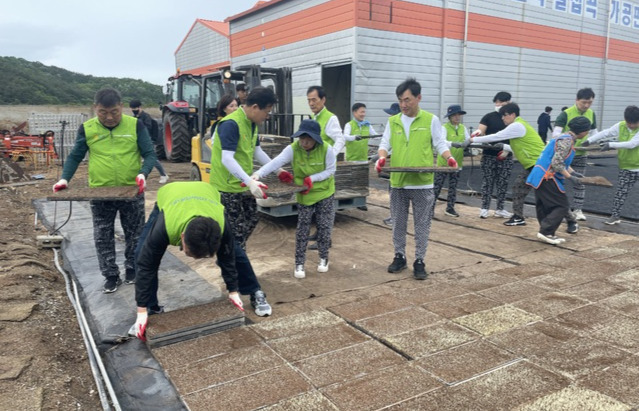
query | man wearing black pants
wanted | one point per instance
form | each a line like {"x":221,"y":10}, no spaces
{"x":548,"y":175}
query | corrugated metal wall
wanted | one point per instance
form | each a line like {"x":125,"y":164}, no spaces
{"x":202,"y":47}
{"x":562,"y":52}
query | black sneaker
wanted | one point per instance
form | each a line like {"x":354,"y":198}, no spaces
{"x":363,"y":208}
{"x":129,"y":278}
{"x":111,"y":284}
{"x":156,"y":309}
{"x":515,"y":220}
{"x":572,"y":228}
{"x":419,"y":270}
{"x":398,"y":264}
{"x":451,"y":212}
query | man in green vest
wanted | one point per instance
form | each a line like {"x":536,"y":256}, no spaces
{"x":235,"y":146}
{"x":115,"y":143}
{"x":627,"y":135}
{"x":331,"y":131}
{"x":354,"y":130}
{"x":526,"y":145}
{"x":585,"y":98}
{"x":190,"y":215}
{"x":455,"y":133}
{"x":411,"y":136}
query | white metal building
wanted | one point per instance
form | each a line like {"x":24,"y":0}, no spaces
{"x":205,"y":48}
{"x":462,"y":51}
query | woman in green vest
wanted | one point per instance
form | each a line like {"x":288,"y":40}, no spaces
{"x":314,"y":166}
{"x":627,"y":135}
{"x":455,"y":132}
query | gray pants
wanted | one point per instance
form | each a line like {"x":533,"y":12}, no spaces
{"x":423,"y":201}
{"x":132,"y":221}
{"x":324,"y":212}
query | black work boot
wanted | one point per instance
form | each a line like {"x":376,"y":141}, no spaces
{"x":419,"y":270}
{"x":398,"y":264}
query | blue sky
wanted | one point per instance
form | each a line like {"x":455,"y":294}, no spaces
{"x":114,"y":38}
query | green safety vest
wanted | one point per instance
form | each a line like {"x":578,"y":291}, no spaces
{"x":527,"y":148}
{"x":357,"y":150}
{"x":628,"y":158}
{"x":322,"y":118}
{"x":183,"y":201}
{"x":456,"y":136}
{"x":114,"y":155}
{"x":571,"y":113}
{"x":220,"y":177}
{"x":414,"y":150}
{"x":306,"y":163}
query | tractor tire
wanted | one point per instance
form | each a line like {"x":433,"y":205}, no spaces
{"x":195,"y":173}
{"x":177,"y":138}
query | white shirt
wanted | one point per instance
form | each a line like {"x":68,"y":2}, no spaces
{"x":286,"y":157}
{"x":614,"y":132}
{"x":438,"y":139}
{"x":334,"y":131}
{"x":513,"y":130}
{"x":349,"y":137}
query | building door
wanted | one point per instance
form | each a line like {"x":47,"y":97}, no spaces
{"x":336,"y":80}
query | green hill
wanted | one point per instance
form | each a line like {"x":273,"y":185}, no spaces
{"x":28,"y":82}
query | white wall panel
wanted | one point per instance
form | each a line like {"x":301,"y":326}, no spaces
{"x":202,"y":47}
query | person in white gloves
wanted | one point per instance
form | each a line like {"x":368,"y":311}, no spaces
{"x":190,"y":215}
{"x":116,"y":144}
{"x":235,"y":146}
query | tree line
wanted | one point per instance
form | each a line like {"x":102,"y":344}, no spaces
{"x":31,"y":82}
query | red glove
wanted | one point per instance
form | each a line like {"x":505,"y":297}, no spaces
{"x":502,"y":155}
{"x":60,"y":185}
{"x":452,"y":162}
{"x":381,"y":162}
{"x":285,"y":177}
{"x":141,"y":182}
{"x":236,"y":301}
{"x":309,"y":184}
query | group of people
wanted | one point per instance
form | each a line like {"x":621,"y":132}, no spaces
{"x":217,"y":218}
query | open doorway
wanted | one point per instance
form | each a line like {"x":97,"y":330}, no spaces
{"x":336,"y":80}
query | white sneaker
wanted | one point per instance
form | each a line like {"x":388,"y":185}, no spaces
{"x":299,"y":271}
{"x":503,"y":214}
{"x":164,"y":179}
{"x":483,"y":213}
{"x":550,"y":239}
{"x":579,"y":215}
{"x":322,"y":267}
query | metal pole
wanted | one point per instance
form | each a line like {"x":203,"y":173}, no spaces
{"x":462,"y":85}
{"x":605,"y":66}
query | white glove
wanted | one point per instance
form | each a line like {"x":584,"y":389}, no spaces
{"x":476,"y":133}
{"x":140,"y":325}
{"x":257,"y":189}
{"x":60,"y":185}
{"x":255,"y":176}
{"x":140,"y":180}
{"x":236,"y":301}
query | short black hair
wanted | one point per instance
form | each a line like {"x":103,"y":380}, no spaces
{"x":135,"y":103}
{"x":221,"y":105}
{"x":409,"y":84}
{"x":631,"y":114}
{"x":202,"y":237}
{"x":357,"y":106}
{"x":509,"y":109}
{"x":585,"y":94}
{"x":261,"y":96}
{"x":502,"y":96}
{"x":107,"y":97}
{"x":240,"y":87}
{"x":564,"y":108}
{"x":321,"y":93}
{"x":548,"y":109}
